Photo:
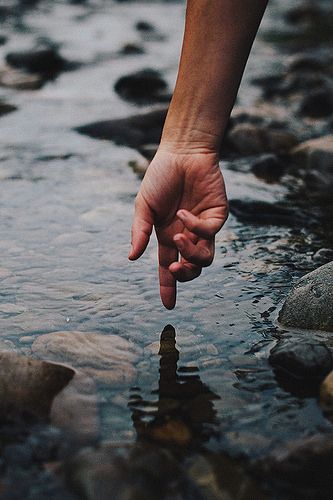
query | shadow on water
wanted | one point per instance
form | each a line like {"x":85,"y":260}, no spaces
{"x":183,"y":413}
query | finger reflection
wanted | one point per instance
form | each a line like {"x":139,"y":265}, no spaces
{"x":182,"y":412}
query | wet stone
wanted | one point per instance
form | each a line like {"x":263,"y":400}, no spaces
{"x":301,"y":469}
{"x":323,"y":254}
{"x":144,"y":26}
{"x":249,"y":139}
{"x":309,"y":304}
{"x":268,"y":167}
{"x":317,"y":104}
{"x":306,"y":12}
{"x":143,"y":87}
{"x":108,"y":358}
{"x":133,"y":131}
{"x":306,"y":63}
{"x":302,"y":359}
{"x":139,"y":471}
{"x":130,"y":49}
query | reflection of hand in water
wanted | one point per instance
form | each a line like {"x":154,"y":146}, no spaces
{"x":184,"y":412}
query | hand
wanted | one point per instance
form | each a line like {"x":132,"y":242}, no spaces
{"x":183,"y":197}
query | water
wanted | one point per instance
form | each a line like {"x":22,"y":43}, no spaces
{"x":66,"y":203}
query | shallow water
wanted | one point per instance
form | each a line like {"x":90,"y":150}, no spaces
{"x":66,"y":203}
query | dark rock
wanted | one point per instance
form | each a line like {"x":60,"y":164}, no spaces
{"x":44,"y":60}
{"x":303,"y":360}
{"x":301,"y":469}
{"x":264,"y":213}
{"x":309,"y":305}
{"x":3,"y":40}
{"x":47,"y":391}
{"x":249,"y":139}
{"x":144,"y":26}
{"x":133,"y":131}
{"x":143,"y":87}
{"x":295,"y":83}
{"x":135,"y":472}
{"x":325,"y":254}
{"x":131,"y":49}
{"x":6,"y":108}
{"x":268,"y":81}
{"x":304,"y":63}
{"x":317,"y":104}
{"x":304,"y":13}
{"x":269,"y":168}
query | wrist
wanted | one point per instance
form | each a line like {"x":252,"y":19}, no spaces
{"x":189,"y":128}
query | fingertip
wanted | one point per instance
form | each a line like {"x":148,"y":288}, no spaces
{"x":182,"y":213}
{"x":168,"y":297}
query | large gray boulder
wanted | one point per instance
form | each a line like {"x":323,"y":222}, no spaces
{"x":309,"y":304}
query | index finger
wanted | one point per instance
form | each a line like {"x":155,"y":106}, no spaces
{"x":167,"y":255}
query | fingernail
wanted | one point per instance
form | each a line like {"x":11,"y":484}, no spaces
{"x":178,"y":240}
{"x":181,"y":213}
{"x":130,"y":252}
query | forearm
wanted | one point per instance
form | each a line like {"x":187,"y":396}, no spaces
{"x":217,"y":41}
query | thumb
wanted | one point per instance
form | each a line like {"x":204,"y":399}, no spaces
{"x":141,"y":228}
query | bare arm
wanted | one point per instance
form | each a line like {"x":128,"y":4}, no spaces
{"x":183,"y":194}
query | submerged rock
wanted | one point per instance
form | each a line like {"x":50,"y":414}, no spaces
{"x":143,"y":87}
{"x":138,"y":471}
{"x":48,"y":391}
{"x":309,"y":304}
{"x":133,"y":131}
{"x":30,"y":385}
{"x":108,"y":358}
{"x":307,"y":360}
{"x":301,"y":469}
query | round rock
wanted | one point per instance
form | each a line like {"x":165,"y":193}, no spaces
{"x":108,"y":358}
{"x":143,"y":87}
{"x":309,"y":304}
{"x":306,"y":359}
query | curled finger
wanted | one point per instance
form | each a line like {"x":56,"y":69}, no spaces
{"x":203,"y":227}
{"x":184,"y":271}
{"x":200,"y":254}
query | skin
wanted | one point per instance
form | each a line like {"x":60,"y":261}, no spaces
{"x":182,"y":195}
